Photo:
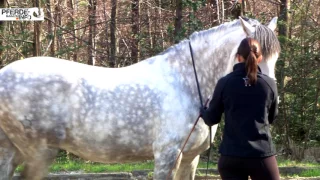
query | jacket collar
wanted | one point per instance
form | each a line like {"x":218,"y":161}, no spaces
{"x":242,"y":67}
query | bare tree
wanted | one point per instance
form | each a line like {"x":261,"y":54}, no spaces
{"x":158,"y":25}
{"x":92,"y":7}
{"x":50,"y":28}
{"x":73,"y":27}
{"x":113,"y":21}
{"x":2,"y":29}
{"x":58,"y":22}
{"x":135,"y":20}
{"x":106,"y":31}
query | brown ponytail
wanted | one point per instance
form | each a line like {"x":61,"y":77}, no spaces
{"x":250,"y":50}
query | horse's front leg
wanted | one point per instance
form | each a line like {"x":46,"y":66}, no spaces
{"x":187,"y":169}
{"x":166,"y":162}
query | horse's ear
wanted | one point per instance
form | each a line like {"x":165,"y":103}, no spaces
{"x":247,"y":28}
{"x":273,"y":23}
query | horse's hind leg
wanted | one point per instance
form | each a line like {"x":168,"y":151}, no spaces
{"x":36,"y":165}
{"x":9,"y":157}
{"x":187,"y":169}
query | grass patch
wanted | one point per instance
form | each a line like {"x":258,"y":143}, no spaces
{"x":290,"y":163}
{"x":310,"y":173}
{"x":98,"y":167}
{"x":204,"y":165}
{"x":90,"y":167}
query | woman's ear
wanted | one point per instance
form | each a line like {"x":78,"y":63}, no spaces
{"x":239,"y":58}
{"x":259,"y":59}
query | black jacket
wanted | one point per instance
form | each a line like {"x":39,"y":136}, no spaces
{"x":249,"y":111}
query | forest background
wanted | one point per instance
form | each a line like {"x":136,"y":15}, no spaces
{"x":117,"y":33}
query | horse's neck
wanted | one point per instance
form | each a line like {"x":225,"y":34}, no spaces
{"x":215,"y":57}
{"x":214,"y":54}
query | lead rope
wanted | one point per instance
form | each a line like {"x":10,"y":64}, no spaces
{"x":194,"y":125}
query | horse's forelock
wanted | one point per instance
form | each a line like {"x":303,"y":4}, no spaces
{"x":268,"y":40}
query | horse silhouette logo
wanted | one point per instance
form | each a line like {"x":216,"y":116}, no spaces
{"x":246,"y":81}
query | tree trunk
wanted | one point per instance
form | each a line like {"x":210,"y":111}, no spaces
{"x":50,"y":28}
{"x":284,"y":17}
{"x":92,"y":28}
{"x":149,"y":29}
{"x":159,"y":27}
{"x":106,"y":33}
{"x":218,"y":11}
{"x":36,"y":33}
{"x":2,"y":30}
{"x":178,"y":21}
{"x":222,"y":11}
{"x":113,"y":62}
{"x":73,"y":27}
{"x":283,"y":32}
{"x":243,"y":8}
{"x":135,"y":16}
{"x":58,"y":21}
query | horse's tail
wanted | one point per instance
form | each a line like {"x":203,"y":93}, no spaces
{"x":14,"y":130}
{"x":9,"y":156}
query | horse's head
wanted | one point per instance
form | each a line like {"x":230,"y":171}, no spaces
{"x":269,"y":43}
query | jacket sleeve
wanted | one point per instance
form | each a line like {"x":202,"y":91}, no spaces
{"x":273,"y":111}
{"x":213,"y":114}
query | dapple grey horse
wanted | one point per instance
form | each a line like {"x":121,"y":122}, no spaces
{"x":140,"y":112}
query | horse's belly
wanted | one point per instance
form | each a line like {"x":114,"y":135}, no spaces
{"x":110,"y":150}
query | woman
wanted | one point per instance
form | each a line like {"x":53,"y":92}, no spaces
{"x":249,"y":101}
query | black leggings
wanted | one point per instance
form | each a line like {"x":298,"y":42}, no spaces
{"x":235,"y":168}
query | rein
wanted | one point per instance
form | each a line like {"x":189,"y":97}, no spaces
{"x":194,"y":125}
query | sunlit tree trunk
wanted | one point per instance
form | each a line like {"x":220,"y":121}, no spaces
{"x":92,"y":28}
{"x":50,"y":28}
{"x":158,"y":26}
{"x":149,"y":28}
{"x":218,"y":11}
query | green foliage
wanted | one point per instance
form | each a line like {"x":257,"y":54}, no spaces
{"x":192,"y":23}
{"x":298,"y":70}
{"x":194,"y":5}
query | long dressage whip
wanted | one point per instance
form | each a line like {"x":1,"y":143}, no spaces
{"x":200,"y":97}
{"x":194,"y":125}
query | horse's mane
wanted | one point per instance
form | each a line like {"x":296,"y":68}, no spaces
{"x":266,"y":37}
{"x":268,"y":41}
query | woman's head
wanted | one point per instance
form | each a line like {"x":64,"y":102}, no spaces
{"x":249,"y":52}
